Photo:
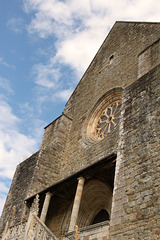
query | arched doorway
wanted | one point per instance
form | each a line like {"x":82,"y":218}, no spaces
{"x":101,"y":217}
{"x":96,"y":203}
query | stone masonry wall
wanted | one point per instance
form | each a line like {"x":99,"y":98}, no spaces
{"x":149,"y":58}
{"x":124,"y":42}
{"x":115,"y":64}
{"x":51,"y":155}
{"x":97,"y":231}
{"x":15,"y":210}
{"x":136,"y":211}
{"x":64,"y":149}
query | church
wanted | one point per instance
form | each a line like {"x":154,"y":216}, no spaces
{"x":96,"y":175}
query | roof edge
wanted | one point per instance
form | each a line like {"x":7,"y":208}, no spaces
{"x":116,"y":22}
{"x":137,"y":22}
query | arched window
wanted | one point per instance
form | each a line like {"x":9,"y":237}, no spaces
{"x":101,"y":217}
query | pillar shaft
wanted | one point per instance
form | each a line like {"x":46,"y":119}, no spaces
{"x":76,"y":204}
{"x":45,"y":207}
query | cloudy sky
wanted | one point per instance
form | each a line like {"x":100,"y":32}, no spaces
{"x":45,"y":47}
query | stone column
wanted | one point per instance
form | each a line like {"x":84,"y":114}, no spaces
{"x":76,"y":204}
{"x":45,"y":206}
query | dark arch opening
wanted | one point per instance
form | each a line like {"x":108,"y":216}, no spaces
{"x":101,"y":217}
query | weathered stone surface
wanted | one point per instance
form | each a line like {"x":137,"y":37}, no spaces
{"x":64,"y":149}
{"x":15,"y":211}
{"x":126,"y":67}
{"x":139,"y":209}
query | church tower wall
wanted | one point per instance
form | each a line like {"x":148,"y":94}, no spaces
{"x":15,"y":211}
{"x":135,"y":208}
{"x":119,"y":90}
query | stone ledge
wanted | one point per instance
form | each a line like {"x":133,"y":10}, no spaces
{"x":90,"y":227}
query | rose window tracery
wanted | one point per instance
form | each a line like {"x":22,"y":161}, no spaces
{"x":108,"y":120}
{"x":103,"y":117}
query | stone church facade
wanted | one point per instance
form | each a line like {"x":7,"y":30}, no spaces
{"x":97,"y":172}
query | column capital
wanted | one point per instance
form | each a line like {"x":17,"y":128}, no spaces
{"x":49,"y":193}
{"x":81,"y":178}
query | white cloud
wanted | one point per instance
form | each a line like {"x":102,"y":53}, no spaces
{"x":7,"y":118}
{"x":16,"y":25}
{"x":78,"y":51}
{"x":14,"y":146}
{"x":82,"y":25}
{"x":4,"y":63}
{"x":78,"y":28}
{"x":63,"y":95}
{"x":46,"y":75}
{"x":5,"y":85}
{"x":3,"y":188}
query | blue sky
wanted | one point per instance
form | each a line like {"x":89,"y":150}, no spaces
{"x":45,"y":47}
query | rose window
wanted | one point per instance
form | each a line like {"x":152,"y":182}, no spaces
{"x":108,"y":120}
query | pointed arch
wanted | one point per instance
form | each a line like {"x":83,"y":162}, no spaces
{"x":97,"y":195}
